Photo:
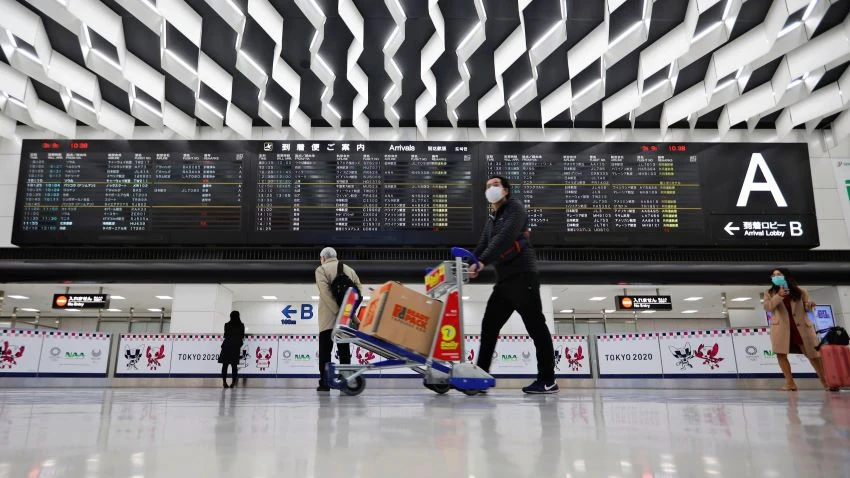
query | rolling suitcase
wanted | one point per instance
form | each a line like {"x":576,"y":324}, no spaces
{"x":836,"y":366}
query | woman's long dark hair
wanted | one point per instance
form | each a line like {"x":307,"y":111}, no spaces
{"x":234,"y":317}
{"x":793,"y":287}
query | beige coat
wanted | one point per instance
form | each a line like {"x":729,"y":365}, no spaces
{"x":780,"y":329}
{"x":325,"y":274}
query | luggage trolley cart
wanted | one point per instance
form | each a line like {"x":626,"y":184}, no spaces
{"x":444,"y":367}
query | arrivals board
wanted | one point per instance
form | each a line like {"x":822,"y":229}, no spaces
{"x":364,"y":192}
{"x":131,"y":192}
{"x":634,"y":194}
{"x":411,"y":193}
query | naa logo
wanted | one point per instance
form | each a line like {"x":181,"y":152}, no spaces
{"x":9,"y":355}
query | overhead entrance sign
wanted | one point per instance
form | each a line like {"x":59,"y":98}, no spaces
{"x":80,"y":301}
{"x":644,"y":302}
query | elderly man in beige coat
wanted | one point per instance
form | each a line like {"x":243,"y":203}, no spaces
{"x":328,"y":309}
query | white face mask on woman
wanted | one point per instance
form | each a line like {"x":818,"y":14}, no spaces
{"x":494,"y":194}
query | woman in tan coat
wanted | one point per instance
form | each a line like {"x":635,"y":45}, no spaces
{"x":791,"y":331}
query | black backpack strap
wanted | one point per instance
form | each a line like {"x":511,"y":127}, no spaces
{"x":339,"y":269}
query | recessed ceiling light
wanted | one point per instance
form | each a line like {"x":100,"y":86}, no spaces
{"x":314,"y":297}
{"x":117,"y":297}
{"x":270,"y":297}
{"x":566,"y":311}
{"x":690,"y":311}
{"x":609,"y":311}
{"x":466,"y":297}
{"x":693,"y":299}
{"x":555,"y":298}
{"x":741,"y":299}
{"x":18,"y":297}
{"x":597,"y":299}
{"x":27,"y":309}
{"x":154,"y":310}
{"x":113,"y":310}
{"x":164,"y":297}
{"x":648,"y":312}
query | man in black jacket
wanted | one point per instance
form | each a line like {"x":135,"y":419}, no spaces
{"x":505,"y":244}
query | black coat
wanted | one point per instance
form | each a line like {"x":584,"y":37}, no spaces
{"x":502,"y":229}
{"x":234,"y":335}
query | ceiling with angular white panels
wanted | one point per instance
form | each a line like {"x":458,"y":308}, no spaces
{"x":177,"y":65}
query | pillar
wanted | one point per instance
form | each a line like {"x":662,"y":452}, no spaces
{"x":842,"y":311}
{"x":200,"y":308}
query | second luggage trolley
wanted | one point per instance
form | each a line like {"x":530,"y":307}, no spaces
{"x":444,"y":367}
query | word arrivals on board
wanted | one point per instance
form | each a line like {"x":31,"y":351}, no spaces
{"x":97,"y":192}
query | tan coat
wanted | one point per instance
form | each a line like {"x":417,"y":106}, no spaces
{"x":325,"y":274}
{"x":780,"y":328}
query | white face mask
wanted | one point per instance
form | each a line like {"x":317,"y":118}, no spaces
{"x":494,"y":194}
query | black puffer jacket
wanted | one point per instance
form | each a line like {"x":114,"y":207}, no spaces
{"x":502,"y":229}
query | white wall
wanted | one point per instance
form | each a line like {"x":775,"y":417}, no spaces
{"x":754,"y":317}
{"x":10,"y":159}
{"x":832,"y":222}
{"x":661,"y":325}
{"x":833,"y":219}
{"x":264,"y":317}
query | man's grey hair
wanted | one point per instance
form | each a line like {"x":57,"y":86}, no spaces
{"x":328,"y":253}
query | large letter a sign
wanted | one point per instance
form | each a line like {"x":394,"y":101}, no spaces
{"x":757,"y":162}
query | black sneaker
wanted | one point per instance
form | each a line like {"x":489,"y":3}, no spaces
{"x":323,"y":388}
{"x":540,"y":387}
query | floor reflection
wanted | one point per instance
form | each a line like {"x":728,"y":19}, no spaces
{"x":411,"y":434}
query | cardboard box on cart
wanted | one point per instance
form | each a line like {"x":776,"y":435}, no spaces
{"x":403,"y":317}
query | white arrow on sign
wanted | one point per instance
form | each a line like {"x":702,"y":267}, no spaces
{"x":731,"y":230}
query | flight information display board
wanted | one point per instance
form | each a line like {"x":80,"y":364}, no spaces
{"x":93,"y":192}
{"x":411,"y":193}
{"x":364,"y":192}
{"x":234,"y":192}
{"x":634,"y":194}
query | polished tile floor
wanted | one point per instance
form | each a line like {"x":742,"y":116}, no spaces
{"x":256,"y":433}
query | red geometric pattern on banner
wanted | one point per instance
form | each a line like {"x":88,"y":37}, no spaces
{"x":570,"y":338}
{"x":78,"y":335}
{"x":515,"y":338}
{"x":147,"y":336}
{"x":22,"y":332}
{"x":753,"y":331}
{"x":262,"y":338}
{"x":622,"y":337}
{"x":197,"y":337}
{"x":697,"y":333}
{"x":300,"y":338}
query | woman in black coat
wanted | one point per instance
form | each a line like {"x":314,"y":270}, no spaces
{"x":234,"y":334}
